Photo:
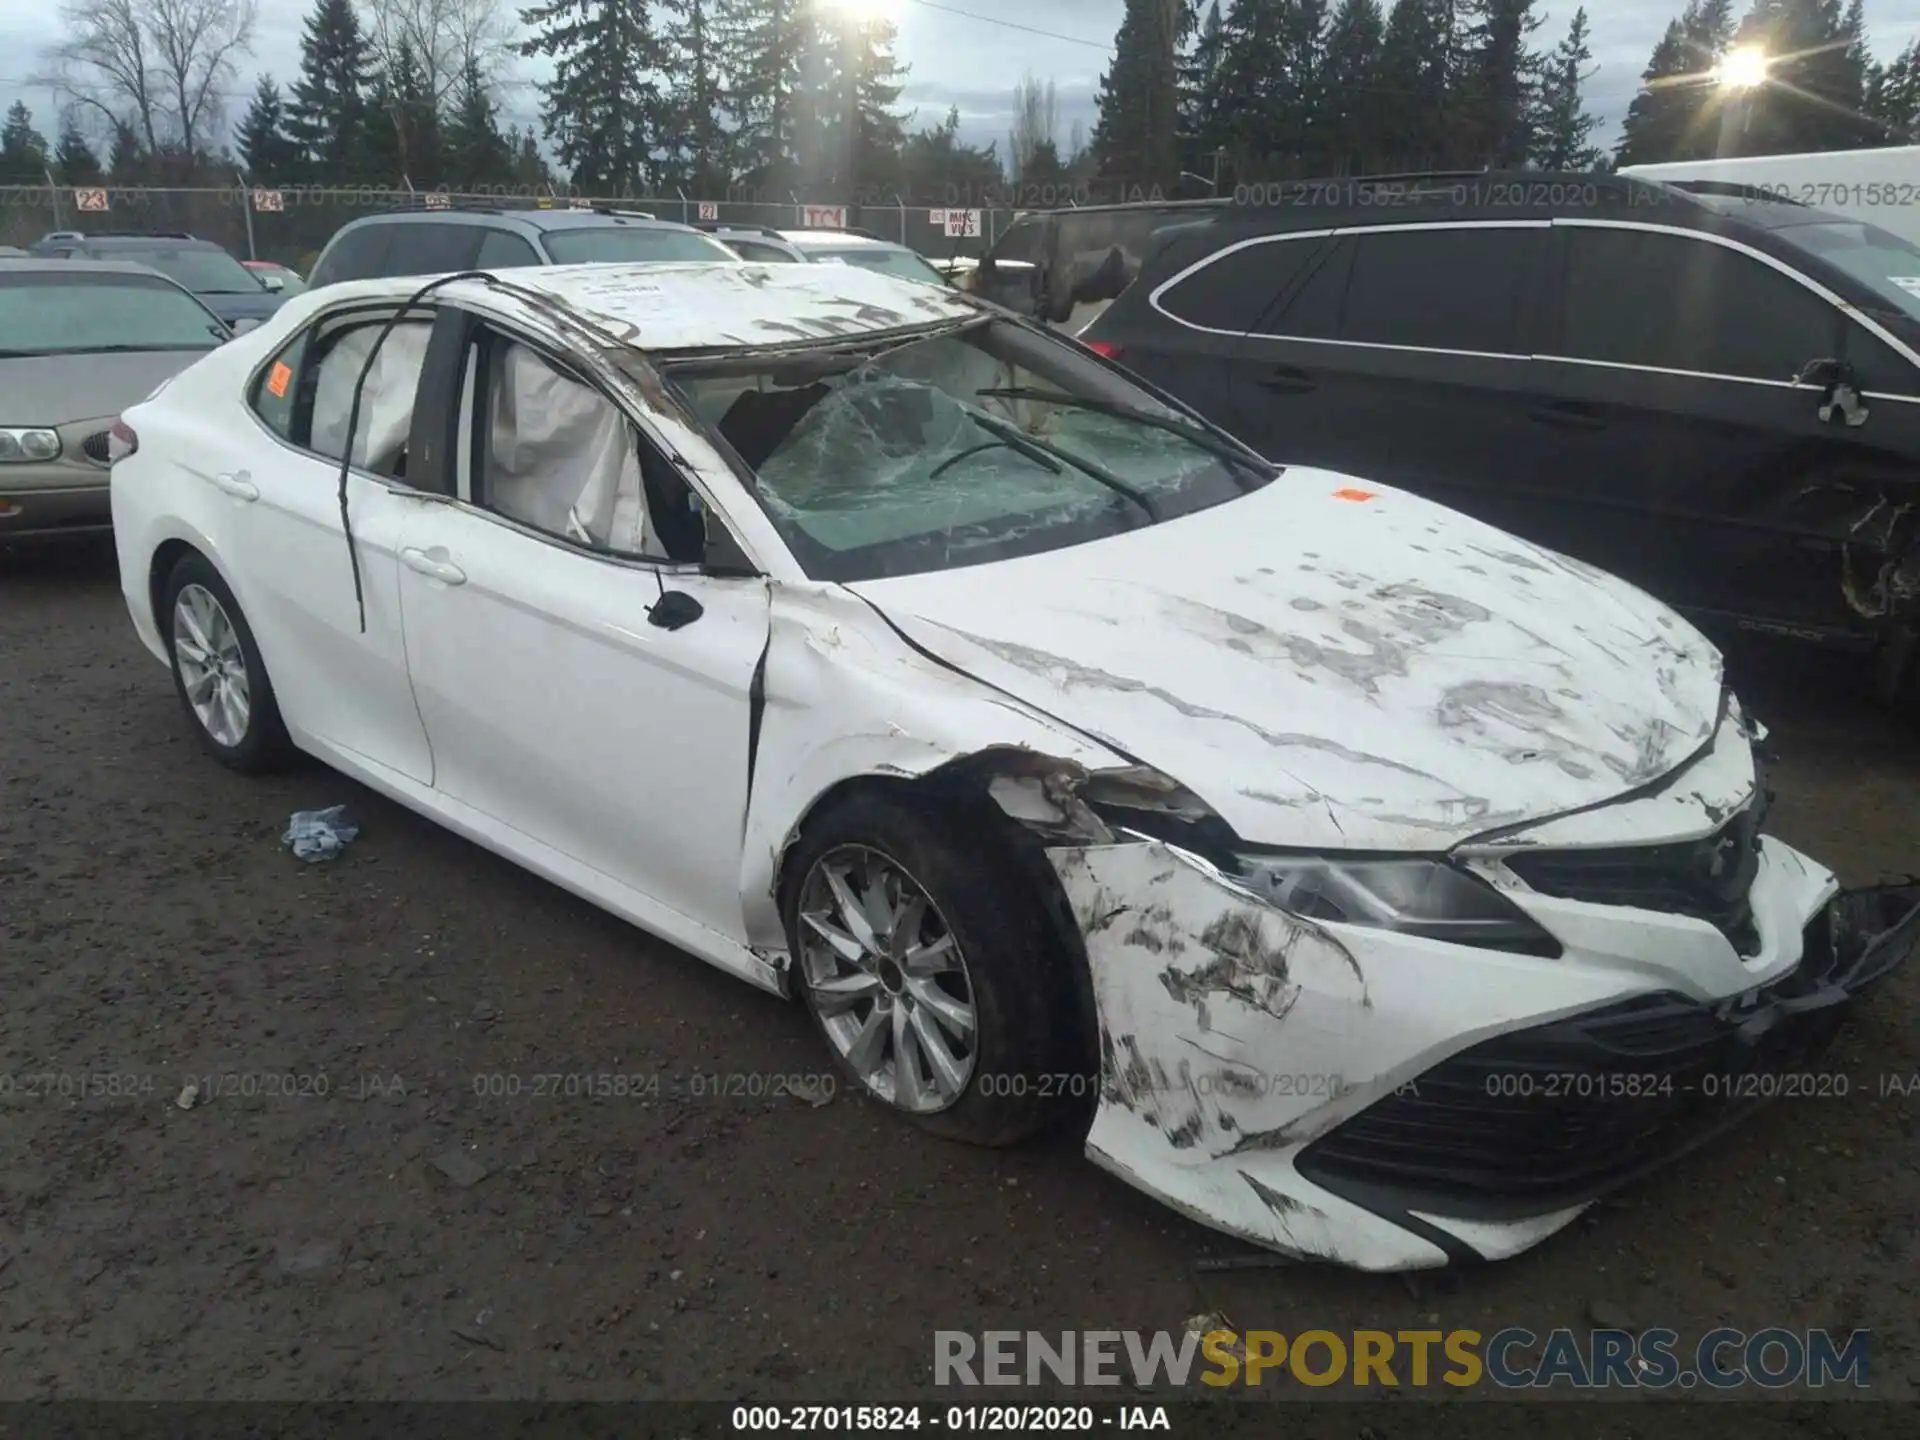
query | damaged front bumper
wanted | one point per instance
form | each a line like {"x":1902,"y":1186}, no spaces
{"x":1393,"y":1103}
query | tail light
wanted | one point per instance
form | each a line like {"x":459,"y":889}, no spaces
{"x":1106,"y":349}
{"x":121,"y":441}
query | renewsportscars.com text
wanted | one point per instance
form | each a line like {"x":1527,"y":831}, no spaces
{"x":1511,"y":1359}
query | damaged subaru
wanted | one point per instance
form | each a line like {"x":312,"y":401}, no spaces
{"x":1388,"y":887}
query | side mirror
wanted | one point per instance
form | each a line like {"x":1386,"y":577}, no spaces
{"x":674,"y":610}
{"x":275,"y":283}
{"x":241,"y":327}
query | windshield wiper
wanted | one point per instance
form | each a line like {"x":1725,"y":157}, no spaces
{"x":1044,"y":454}
{"x":1205,"y":439}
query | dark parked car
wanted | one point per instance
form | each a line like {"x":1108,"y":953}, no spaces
{"x":1714,"y":395}
{"x":226,"y":286}
{"x":435,"y":242}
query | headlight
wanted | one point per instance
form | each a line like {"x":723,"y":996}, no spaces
{"x":1408,"y":895}
{"x":28,"y":446}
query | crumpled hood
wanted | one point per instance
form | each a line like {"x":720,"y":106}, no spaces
{"x":1326,"y":670}
{"x":57,"y":389}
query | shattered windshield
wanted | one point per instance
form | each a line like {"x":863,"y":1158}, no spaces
{"x":976,"y":444}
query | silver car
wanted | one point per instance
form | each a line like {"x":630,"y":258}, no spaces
{"x":80,"y":341}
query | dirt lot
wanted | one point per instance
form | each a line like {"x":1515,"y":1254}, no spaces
{"x":267,"y":1245}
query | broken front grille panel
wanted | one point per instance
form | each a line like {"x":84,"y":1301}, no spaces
{"x":1710,"y":879}
{"x":1541,"y":1119}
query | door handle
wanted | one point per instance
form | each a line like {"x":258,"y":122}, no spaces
{"x":445,"y":571}
{"x":1567,"y":417}
{"x":1285,"y":380}
{"x":238,"y":484}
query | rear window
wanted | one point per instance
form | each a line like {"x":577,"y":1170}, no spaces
{"x":758,"y":251}
{"x":64,"y":315}
{"x":623,"y":244}
{"x":354,"y":255}
{"x":204,"y":271}
{"x":904,"y":263}
{"x":432,"y":248}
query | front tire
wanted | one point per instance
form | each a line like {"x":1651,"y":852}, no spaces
{"x":217,"y":670}
{"x":930,"y":969}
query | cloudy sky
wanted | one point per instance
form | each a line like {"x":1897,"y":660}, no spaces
{"x":970,"y":53}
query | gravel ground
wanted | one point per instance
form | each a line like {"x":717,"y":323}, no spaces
{"x":403,"y":1236}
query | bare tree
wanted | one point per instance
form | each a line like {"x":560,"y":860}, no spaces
{"x":159,"y":68}
{"x":445,"y":36}
{"x":1036,"y":118}
{"x":104,"y":65}
{"x":195,"y":45}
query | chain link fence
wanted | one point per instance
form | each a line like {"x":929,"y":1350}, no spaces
{"x":292,"y":224}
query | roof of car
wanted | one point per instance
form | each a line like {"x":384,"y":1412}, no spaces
{"x":839,"y":239}
{"x":145,"y":242}
{"x":713,"y":304}
{"x":81,"y":269}
{"x":538,"y":220}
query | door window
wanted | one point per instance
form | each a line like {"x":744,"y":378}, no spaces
{"x":1877,"y":366}
{"x":1678,"y":302}
{"x":502,"y":251}
{"x":555,"y":454}
{"x":1460,"y":287}
{"x":305,"y":393}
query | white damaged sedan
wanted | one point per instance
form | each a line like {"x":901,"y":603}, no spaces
{"x":1389,"y":887}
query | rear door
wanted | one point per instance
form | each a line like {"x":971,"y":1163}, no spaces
{"x":1409,"y":349}
{"x":1673,"y":440}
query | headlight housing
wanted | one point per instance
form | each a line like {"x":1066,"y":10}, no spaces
{"x":1409,"y":895}
{"x":28,"y":446}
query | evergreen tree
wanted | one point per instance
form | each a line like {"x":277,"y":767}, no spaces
{"x":763,"y":47}
{"x":603,"y":105}
{"x":849,"y":67}
{"x":1416,"y":78}
{"x":1494,"y":109}
{"x":530,"y":172}
{"x":1350,"y":70}
{"x":1818,"y":83}
{"x":327,"y":111}
{"x":1136,"y":138}
{"x":1893,"y":99}
{"x":126,"y":156}
{"x":937,"y":169}
{"x":477,"y":153}
{"x":1676,"y":115}
{"x":403,"y":128}
{"x":262,"y":140}
{"x":1562,"y":128}
{"x":73,"y":160}
{"x":696,"y":148}
{"x":1200,"y":140}
{"x":1266,"y":104}
{"x":23,"y":149}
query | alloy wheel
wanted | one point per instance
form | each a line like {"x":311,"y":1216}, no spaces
{"x":887,"y":979}
{"x":213,"y":665}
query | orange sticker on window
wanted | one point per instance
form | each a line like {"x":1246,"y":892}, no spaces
{"x":278,"y":379}
{"x":1353,"y":494}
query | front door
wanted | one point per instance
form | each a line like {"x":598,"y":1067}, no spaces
{"x":555,"y":704}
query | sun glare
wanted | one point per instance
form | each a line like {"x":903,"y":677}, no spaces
{"x":1743,"y":69}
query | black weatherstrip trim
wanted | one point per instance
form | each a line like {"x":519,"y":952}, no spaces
{"x":756,"y":711}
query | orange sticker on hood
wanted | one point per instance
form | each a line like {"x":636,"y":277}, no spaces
{"x":1340,"y":494}
{"x":278,"y":379}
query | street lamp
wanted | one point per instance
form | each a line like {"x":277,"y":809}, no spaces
{"x":1739,"y":73}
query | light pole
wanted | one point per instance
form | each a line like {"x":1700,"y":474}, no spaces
{"x":1739,"y":73}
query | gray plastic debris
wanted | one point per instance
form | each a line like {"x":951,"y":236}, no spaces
{"x":319,"y":834}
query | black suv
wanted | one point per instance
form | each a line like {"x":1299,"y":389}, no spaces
{"x":222,"y":283}
{"x":419,"y":241}
{"x":1711,"y":393}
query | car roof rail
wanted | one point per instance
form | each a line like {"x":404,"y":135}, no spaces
{"x":624,"y":213}
{"x":124,"y":235}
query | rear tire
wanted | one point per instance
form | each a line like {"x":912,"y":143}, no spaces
{"x":970,"y":984}
{"x":217,"y":670}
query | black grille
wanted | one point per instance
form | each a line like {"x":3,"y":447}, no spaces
{"x":95,"y":447}
{"x":1708,"y":879}
{"x":1549,"y":1117}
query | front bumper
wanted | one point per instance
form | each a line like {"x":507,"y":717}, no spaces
{"x":1392,"y":1103}
{"x":75,"y":510}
